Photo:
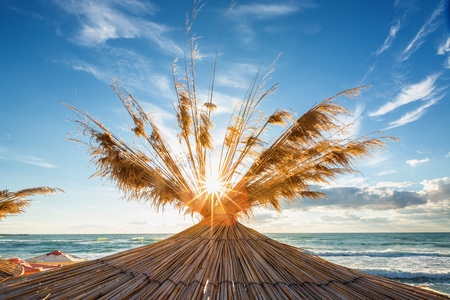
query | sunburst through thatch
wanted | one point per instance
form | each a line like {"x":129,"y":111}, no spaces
{"x":219,"y":258}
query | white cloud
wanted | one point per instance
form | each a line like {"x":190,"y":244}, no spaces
{"x":437,"y":190}
{"x":389,"y":39}
{"x":424,"y":90}
{"x":376,"y":159}
{"x":347,"y":181}
{"x":368,"y":72}
{"x":416,"y":162}
{"x":447,"y":63}
{"x":430,"y":25}
{"x":104,"y":20}
{"x":27,"y":159}
{"x":224,"y":103}
{"x":36,"y":161}
{"x":5,"y":136}
{"x":133,"y":69}
{"x":448,"y":155}
{"x":397,"y":185}
{"x":85,"y":67}
{"x":347,"y":216}
{"x":435,"y":194}
{"x":237,"y":75}
{"x":351,"y":122}
{"x":264,"y":11}
{"x":444,"y":48}
{"x":413,"y":115}
{"x":246,"y":14}
{"x":387,"y":172}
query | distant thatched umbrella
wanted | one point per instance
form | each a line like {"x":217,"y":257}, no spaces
{"x":9,"y":269}
{"x":218,"y":258}
{"x":12,"y":203}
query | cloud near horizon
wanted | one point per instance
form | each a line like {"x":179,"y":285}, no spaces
{"x":384,"y":196}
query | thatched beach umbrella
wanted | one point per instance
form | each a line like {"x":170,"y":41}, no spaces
{"x":13,"y":203}
{"x":9,"y":269}
{"x":218,"y":258}
{"x":222,"y":260}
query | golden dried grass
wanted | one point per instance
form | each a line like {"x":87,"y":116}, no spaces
{"x":12,"y":203}
{"x":215,"y":259}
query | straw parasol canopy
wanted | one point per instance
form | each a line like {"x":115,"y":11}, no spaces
{"x":9,"y":269}
{"x":218,"y":258}
{"x":12,"y":203}
{"x":223,"y":260}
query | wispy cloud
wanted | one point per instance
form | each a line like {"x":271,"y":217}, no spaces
{"x":246,"y":14}
{"x":368,"y":72}
{"x":444,"y":49}
{"x":31,"y":160}
{"x":237,"y":75}
{"x":387,"y":172}
{"x":397,"y":185}
{"x":448,"y":155}
{"x":5,"y":136}
{"x":390,"y":38}
{"x":265,"y":11}
{"x":101,"y":21}
{"x":130,"y":67}
{"x":27,"y":159}
{"x":416,"y":162}
{"x":424,"y":90}
{"x":413,"y":115}
{"x":430,"y":25}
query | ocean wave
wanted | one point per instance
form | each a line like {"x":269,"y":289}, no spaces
{"x":101,"y":239}
{"x":413,"y":276}
{"x":147,"y":239}
{"x":384,"y":253}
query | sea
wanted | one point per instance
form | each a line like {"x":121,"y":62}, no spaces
{"x":421,"y":259}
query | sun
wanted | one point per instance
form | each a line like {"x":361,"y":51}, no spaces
{"x":213,"y":185}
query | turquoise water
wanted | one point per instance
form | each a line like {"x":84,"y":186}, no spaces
{"x":415,"y":258}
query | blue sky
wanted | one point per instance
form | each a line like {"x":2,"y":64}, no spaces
{"x":56,"y":51}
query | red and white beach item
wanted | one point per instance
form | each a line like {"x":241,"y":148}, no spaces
{"x":55,"y":258}
{"x":32,"y":268}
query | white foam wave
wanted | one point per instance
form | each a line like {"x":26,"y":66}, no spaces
{"x":383,"y":253}
{"x":397,"y":274}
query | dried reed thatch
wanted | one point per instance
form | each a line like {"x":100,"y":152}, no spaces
{"x":218,"y":258}
{"x":9,"y":269}
{"x":12,"y":203}
{"x":224,"y":261}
